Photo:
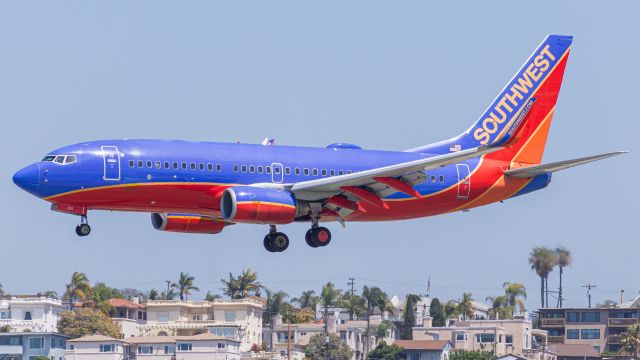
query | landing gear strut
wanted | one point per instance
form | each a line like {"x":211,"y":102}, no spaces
{"x":275,"y":241}
{"x":83,"y":229}
{"x":317,"y":235}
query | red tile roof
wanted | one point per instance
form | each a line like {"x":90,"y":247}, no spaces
{"x":125,"y":304}
{"x":422,"y":344}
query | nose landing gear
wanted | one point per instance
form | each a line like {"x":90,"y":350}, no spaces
{"x":83,"y":229}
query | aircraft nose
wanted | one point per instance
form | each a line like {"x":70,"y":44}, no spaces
{"x":28,"y":178}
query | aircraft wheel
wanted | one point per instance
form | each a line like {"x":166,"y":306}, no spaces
{"x":321,"y":236}
{"x":267,"y":243}
{"x":83,"y":229}
{"x":279,"y":242}
{"x":309,"y":238}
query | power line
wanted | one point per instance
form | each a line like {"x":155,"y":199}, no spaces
{"x":589,"y":287}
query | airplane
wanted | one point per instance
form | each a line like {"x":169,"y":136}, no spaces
{"x":202,"y":187}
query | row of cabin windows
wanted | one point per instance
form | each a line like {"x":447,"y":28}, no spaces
{"x":287,"y":170}
{"x":175,"y":165}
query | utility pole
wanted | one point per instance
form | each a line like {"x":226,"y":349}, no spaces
{"x":352,"y":283}
{"x":168,"y":286}
{"x":589,"y":287}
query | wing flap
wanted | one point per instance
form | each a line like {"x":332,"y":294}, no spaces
{"x":531,"y":171}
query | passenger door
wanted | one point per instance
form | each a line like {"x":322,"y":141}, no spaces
{"x":464,"y":181}
{"x":111,"y":158}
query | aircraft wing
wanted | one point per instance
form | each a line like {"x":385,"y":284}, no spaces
{"x":398,"y":175}
{"x":531,"y":171}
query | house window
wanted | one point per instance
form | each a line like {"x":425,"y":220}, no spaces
{"x":147,"y":350}
{"x":221,"y":346}
{"x":508,"y":339}
{"x":485,"y":338}
{"x":107,"y":348}
{"x":27,"y":315}
{"x":573,"y":334}
{"x":163,"y":317}
{"x":573,"y":316}
{"x":461,"y":337}
{"x":184,"y":347}
{"x":230,"y":316}
{"x":169,"y":349}
{"x":590,"y":334}
{"x":591,"y":316}
{"x":72,"y":347}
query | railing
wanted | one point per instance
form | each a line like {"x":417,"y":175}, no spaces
{"x":622,"y":321}
{"x":555,"y":339}
{"x":205,"y":303}
{"x":552,"y":321}
{"x":614,"y":339}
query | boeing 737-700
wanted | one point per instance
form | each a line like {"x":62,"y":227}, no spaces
{"x":202,"y":187}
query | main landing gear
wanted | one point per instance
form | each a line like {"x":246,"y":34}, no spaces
{"x":83,"y":229}
{"x":318,"y":236}
{"x":276,"y":241}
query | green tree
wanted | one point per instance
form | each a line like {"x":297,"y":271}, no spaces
{"x":375,"y":298}
{"x":153,"y":295}
{"x":436,"y":312}
{"x":243,"y":286}
{"x":48,"y":294}
{"x":564,"y":260}
{"x":500,"y":308}
{"x":329,"y":297}
{"x":307,"y":300}
{"x":1,"y":290}
{"x":409,"y":320}
{"x":630,"y":340}
{"x":334,"y":349}
{"x":275,"y":305}
{"x":79,"y":288}
{"x":131,"y":293}
{"x":386,"y":352}
{"x":451,"y":310}
{"x":184,"y":286}
{"x":465,"y":306}
{"x":354,"y":303}
{"x":542,"y":261}
{"x":5,"y":328}
{"x":515,"y":294}
{"x":212,"y":297}
{"x":84,"y":322}
{"x":471,"y":355}
{"x":100,"y":296}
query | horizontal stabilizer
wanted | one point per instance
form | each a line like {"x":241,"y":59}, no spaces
{"x":531,"y":171}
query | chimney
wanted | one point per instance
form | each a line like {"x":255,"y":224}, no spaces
{"x":621,"y":296}
{"x":427,"y":321}
{"x":135,"y":300}
{"x":331,"y":320}
{"x":276,"y":320}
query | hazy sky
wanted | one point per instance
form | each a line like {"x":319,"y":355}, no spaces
{"x":384,"y":75}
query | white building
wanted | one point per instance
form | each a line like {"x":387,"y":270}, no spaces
{"x":240,"y":320}
{"x":33,"y":314}
{"x":198,"y":347}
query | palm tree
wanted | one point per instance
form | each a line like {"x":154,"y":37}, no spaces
{"x":275,"y":304}
{"x":329,"y":297}
{"x":354,"y":303}
{"x":78,"y":288}
{"x":375,"y":299}
{"x":543,"y":260}
{"x":307,"y":300}
{"x":630,"y":340}
{"x":100,"y":296}
{"x":1,"y":291}
{"x":185,"y":285}
{"x":212,"y":297}
{"x":49,"y":294}
{"x":564,"y":260}
{"x":465,"y":306}
{"x":243,"y":286}
{"x":450,"y":311}
{"x":514,"y":292}
{"x":499,"y":307}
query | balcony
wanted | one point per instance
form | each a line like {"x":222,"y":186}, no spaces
{"x":555,"y":339}
{"x":614,"y":339}
{"x":622,"y":322}
{"x":552,"y":322}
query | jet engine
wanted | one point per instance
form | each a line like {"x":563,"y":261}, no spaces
{"x":187,"y":223}
{"x":250,"y":204}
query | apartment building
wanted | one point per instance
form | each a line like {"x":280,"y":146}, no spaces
{"x":425,"y":349}
{"x":28,"y":346}
{"x":30,"y":313}
{"x":513,"y":336}
{"x":598,"y":327}
{"x":353,"y":333}
{"x":239,"y":320}
{"x":198,"y":347}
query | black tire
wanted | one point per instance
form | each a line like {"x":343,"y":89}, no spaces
{"x":279,"y":242}
{"x":83,"y":230}
{"x":309,"y":238}
{"x":267,"y":243}
{"x":321,"y":236}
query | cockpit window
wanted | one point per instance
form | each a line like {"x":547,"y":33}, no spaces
{"x":60,"y":159}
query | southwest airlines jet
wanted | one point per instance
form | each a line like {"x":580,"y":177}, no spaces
{"x":201,"y":187}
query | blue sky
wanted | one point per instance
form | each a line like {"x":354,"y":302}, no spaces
{"x":384,"y":75}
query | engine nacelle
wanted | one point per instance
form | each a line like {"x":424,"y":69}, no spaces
{"x":187,"y":223}
{"x":249,"y":204}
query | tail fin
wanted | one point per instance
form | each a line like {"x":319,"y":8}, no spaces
{"x":522,"y":111}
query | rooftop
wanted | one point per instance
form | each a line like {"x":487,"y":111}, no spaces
{"x":575,"y":350}
{"x":96,"y":338}
{"x":125,"y":304}
{"x":422,"y":344}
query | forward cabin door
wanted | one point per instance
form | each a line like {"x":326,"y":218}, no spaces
{"x":111,"y":158}
{"x":277,"y":173}
{"x":464,"y":181}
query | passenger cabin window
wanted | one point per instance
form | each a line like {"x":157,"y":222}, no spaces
{"x":210,"y":167}
{"x":287,"y":170}
{"x":149,"y":164}
{"x":306,"y":172}
{"x":175,"y":165}
{"x":441,"y":178}
{"x":324,"y":172}
{"x":201,"y":167}
{"x":244,"y":168}
{"x":219,"y":167}
{"x":297,"y":171}
{"x":235,"y":168}
{"x":252,"y":169}
{"x":315,"y":172}
{"x":260,"y":169}
{"x":184,"y":166}
{"x":131,"y":163}
{"x":192,"y":166}
{"x":268,"y":169}
{"x":166,"y":165}
{"x":140,"y":163}
{"x":332,"y":172}
{"x":158,"y":165}
{"x":340,"y":172}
